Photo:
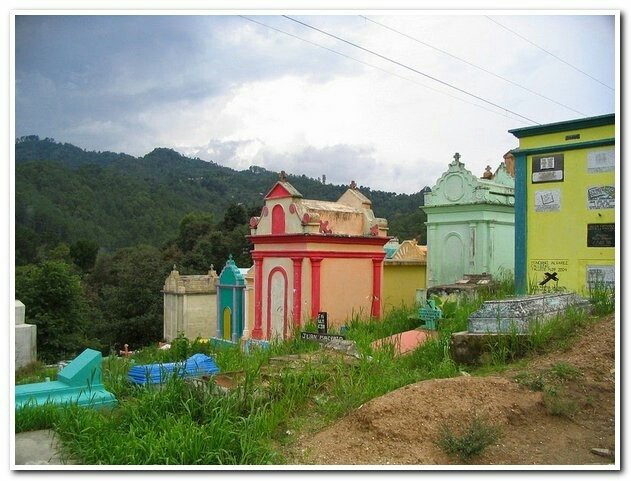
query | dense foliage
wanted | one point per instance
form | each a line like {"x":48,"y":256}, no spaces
{"x":66,"y":194}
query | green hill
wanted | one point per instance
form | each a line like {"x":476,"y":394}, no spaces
{"x":67,"y":194}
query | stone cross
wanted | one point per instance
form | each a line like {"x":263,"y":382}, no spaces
{"x":283,"y":176}
{"x":353,"y":185}
{"x":457,"y":157}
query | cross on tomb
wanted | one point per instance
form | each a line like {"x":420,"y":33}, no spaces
{"x":457,"y":157}
{"x":282,"y":176}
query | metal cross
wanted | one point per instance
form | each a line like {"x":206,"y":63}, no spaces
{"x":457,"y":157}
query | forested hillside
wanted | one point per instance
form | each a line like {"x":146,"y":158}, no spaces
{"x":66,"y":194}
{"x":98,"y":232}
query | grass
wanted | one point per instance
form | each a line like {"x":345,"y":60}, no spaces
{"x":186,"y":425}
{"x":468,"y":440}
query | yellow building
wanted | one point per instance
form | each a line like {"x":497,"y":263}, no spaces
{"x":565,"y":205}
{"x":404,"y":272}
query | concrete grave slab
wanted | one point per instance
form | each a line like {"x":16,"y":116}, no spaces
{"x":520,"y":314}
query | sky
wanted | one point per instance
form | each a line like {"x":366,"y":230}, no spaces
{"x":287,"y":97}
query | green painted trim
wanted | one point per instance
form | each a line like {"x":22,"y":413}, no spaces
{"x":561,"y":148}
{"x":567,"y":125}
{"x":521,"y":226}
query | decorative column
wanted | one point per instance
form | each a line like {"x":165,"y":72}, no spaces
{"x":297,"y":290}
{"x":257,"y":332}
{"x":315,"y":286}
{"x":376,"y":287}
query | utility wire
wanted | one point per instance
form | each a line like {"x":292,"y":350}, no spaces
{"x":410,"y":68}
{"x":472,"y":65}
{"x":549,"y":53}
{"x":371,"y":65}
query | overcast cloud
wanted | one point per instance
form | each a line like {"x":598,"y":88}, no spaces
{"x":238,"y":93}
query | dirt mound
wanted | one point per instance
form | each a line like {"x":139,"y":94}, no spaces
{"x":551,"y":412}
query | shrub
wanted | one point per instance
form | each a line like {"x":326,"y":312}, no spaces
{"x":468,"y":440}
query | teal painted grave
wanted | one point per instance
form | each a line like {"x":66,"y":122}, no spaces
{"x":230,"y":302}
{"x":78,"y":383}
{"x":430,"y":314}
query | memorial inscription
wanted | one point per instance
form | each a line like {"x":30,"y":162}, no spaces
{"x":601,"y":235}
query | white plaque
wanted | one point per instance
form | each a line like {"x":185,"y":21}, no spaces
{"x":601,"y":161}
{"x":601,"y":197}
{"x":604,"y":276}
{"x":547,"y":200}
{"x":547,"y":176}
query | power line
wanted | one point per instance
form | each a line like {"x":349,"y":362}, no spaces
{"x":549,"y":53}
{"x":370,"y":65}
{"x":410,"y":68}
{"x":473,"y":65}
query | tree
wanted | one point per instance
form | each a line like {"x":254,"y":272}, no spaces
{"x":83,"y":254}
{"x":130,"y":298}
{"x":235,"y":215}
{"x":55,"y":303}
{"x":192,"y":227}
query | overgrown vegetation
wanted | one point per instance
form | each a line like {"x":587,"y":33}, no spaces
{"x":468,"y":439}
{"x":182,"y":423}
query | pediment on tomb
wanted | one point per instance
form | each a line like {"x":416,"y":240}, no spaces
{"x":456,"y":186}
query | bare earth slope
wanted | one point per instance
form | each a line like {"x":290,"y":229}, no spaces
{"x":402,"y":426}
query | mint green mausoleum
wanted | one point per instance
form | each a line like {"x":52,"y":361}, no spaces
{"x":470,"y":224}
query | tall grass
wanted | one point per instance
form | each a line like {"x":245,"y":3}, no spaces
{"x":185,"y":424}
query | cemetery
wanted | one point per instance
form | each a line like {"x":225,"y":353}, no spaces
{"x":336,"y":319}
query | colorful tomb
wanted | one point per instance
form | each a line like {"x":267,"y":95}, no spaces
{"x":403,"y":273}
{"x":230,"y":302}
{"x":315,"y":256}
{"x":78,"y":383}
{"x":190,"y":305}
{"x":470,"y":224}
{"x":565,"y":205}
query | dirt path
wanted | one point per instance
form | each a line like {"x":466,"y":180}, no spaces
{"x":402,"y":426}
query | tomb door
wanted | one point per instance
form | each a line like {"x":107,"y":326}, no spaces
{"x":277,"y":304}
{"x":453,"y":259}
{"x":227,"y":323}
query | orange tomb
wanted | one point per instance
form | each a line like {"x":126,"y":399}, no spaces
{"x":315,"y":256}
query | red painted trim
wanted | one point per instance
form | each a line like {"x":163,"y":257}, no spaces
{"x":278,"y":220}
{"x":315,"y":286}
{"x":261,"y":254}
{"x":278,"y":192}
{"x":376,"y":288}
{"x":257,"y":332}
{"x":297,"y":290}
{"x":317,"y":239}
{"x":269,"y":301}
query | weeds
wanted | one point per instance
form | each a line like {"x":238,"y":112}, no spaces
{"x":468,"y":440}
{"x":558,"y":402}
{"x":602,"y":297}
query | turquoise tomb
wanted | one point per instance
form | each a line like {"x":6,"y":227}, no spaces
{"x":78,"y":383}
{"x":230,"y":303}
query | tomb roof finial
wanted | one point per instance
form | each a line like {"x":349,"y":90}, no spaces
{"x":282,"y":176}
{"x":353,"y":185}
{"x":487,"y":173}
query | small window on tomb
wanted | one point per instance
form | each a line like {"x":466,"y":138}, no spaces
{"x":278,"y":219}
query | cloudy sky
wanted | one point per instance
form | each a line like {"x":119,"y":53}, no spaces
{"x":285,"y":96}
